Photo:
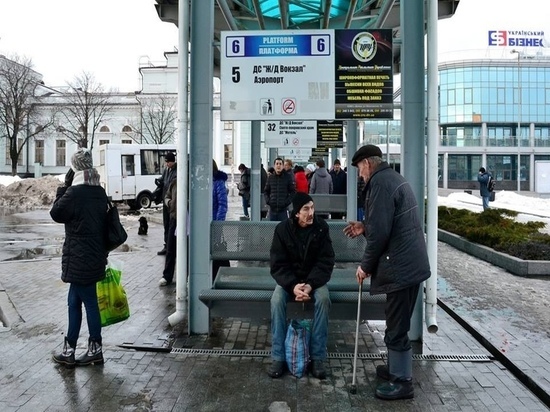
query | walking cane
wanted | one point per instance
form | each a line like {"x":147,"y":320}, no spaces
{"x":353,"y":389}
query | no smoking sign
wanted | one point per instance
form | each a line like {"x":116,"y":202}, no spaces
{"x":288,"y":106}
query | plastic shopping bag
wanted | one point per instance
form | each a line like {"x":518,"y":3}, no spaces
{"x":111,"y":297}
{"x":297,"y":346}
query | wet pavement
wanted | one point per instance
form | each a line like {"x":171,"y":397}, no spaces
{"x":227,"y":371}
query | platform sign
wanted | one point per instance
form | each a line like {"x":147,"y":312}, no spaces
{"x":290,"y":133}
{"x":274,"y":75}
{"x":306,"y":75}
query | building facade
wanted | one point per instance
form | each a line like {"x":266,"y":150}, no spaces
{"x":493,"y":113}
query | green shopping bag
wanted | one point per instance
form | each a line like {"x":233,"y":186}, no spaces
{"x":111,"y":297}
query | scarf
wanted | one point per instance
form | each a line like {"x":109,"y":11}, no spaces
{"x":88,"y":177}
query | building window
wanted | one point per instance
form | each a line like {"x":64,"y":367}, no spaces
{"x":103,"y":141}
{"x":464,"y":167}
{"x":128,"y":165}
{"x":504,"y":167}
{"x":8,"y":157}
{"x":60,"y":153}
{"x":227,"y":154}
{"x":104,"y":129}
{"x":127,"y":129}
{"x":39,"y":151}
{"x":124,"y":141}
{"x":227,"y":125}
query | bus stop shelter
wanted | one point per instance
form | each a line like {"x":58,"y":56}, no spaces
{"x":203,"y":21}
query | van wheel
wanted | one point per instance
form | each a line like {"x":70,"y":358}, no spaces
{"x":144,"y":201}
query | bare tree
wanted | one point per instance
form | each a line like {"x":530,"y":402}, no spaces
{"x":158,"y":120}
{"x":87,"y":105}
{"x":18,"y":111}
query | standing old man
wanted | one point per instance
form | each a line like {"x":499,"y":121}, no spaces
{"x":395,"y":259}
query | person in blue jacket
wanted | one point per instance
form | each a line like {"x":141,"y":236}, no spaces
{"x":483,"y":179}
{"x":219,"y":198}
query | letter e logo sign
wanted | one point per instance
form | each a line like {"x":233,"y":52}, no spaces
{"x":497,"y":38}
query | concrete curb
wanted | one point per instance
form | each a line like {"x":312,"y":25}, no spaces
{"x":511,"y":264}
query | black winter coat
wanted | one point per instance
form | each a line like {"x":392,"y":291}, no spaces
{"x":279,"y":191}
{"x":83,"y":210}
{"x":294,"y":262}
{"x":395,"y":254}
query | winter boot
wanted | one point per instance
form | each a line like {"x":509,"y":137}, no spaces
{"x":400,"y":373}
{"x":66,"y":357}
{"x":93,"y":356}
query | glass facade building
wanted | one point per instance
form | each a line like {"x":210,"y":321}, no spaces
{"x":490,"y":113}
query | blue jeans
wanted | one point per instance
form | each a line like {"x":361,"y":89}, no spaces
{"x":485,"y":202}
{"x":246,"y":204}
{"x":319,"y":334}
{"x":87,"y":294}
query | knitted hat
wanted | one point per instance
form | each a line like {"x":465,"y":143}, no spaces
{"x":299,"y":200}
{"x":311,"y":167}
{"x":170,"y":157}
{"x":82,"y":160}
{"x":365,"y":152}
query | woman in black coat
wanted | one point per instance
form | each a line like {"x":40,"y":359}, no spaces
{"x":81,"y":204}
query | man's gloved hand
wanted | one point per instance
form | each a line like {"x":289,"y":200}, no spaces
{"x":69,"y":176}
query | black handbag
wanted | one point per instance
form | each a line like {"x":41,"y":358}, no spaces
{"x":115,"y":233}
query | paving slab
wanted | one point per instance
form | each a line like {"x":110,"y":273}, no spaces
{"x":196,"y":376}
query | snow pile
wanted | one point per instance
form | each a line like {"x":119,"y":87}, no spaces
{"x":28,"y":193}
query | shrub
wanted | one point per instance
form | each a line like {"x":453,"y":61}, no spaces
{"x":497,"y":229}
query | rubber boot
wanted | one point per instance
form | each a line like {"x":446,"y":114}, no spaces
{"x":400,"y":370}
{"x":66,"y":357}
{"x":93,"y":356}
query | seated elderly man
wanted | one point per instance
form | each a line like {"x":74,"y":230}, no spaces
{"x":302,"y":259}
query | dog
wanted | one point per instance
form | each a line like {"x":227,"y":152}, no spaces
{"x":143,"y":226}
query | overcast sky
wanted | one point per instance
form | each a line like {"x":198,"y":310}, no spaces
{"x":109,"y":37}
{"x":104,"y":37}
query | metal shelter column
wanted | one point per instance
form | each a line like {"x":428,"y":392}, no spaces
{"x":255,"y":165}
{"x":412,"y":117}
{"x":200,"y":159}
{"x":351,"y":147}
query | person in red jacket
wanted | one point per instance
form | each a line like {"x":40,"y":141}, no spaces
{"x":301,"y":179}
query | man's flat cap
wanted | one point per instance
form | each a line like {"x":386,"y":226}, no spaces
{"x":364,"y":152}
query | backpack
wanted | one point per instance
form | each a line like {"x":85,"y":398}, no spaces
{"x":491,"y":183}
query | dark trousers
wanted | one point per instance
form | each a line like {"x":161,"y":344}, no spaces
{"x":399,"y":308}
{"x":79,"y":295}
{"x":165,"y":222}
{"x":170,"y":262}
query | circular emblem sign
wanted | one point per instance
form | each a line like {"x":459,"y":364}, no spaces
{"x":363,"y":47}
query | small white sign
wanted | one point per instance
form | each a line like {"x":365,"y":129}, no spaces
{"x":290,"y":133}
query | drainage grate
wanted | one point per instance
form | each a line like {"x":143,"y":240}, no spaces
{"x":364,"y":356}
{"x":222,"y":352}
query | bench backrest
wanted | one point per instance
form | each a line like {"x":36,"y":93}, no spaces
{"x":246,"y":240}
{"x":324,"y":203}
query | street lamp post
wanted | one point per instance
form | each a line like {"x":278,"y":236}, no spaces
{"x":518,"y":133}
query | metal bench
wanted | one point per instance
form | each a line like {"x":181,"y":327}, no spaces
{"x":324,"y":203}
{"x":244,"y":291}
